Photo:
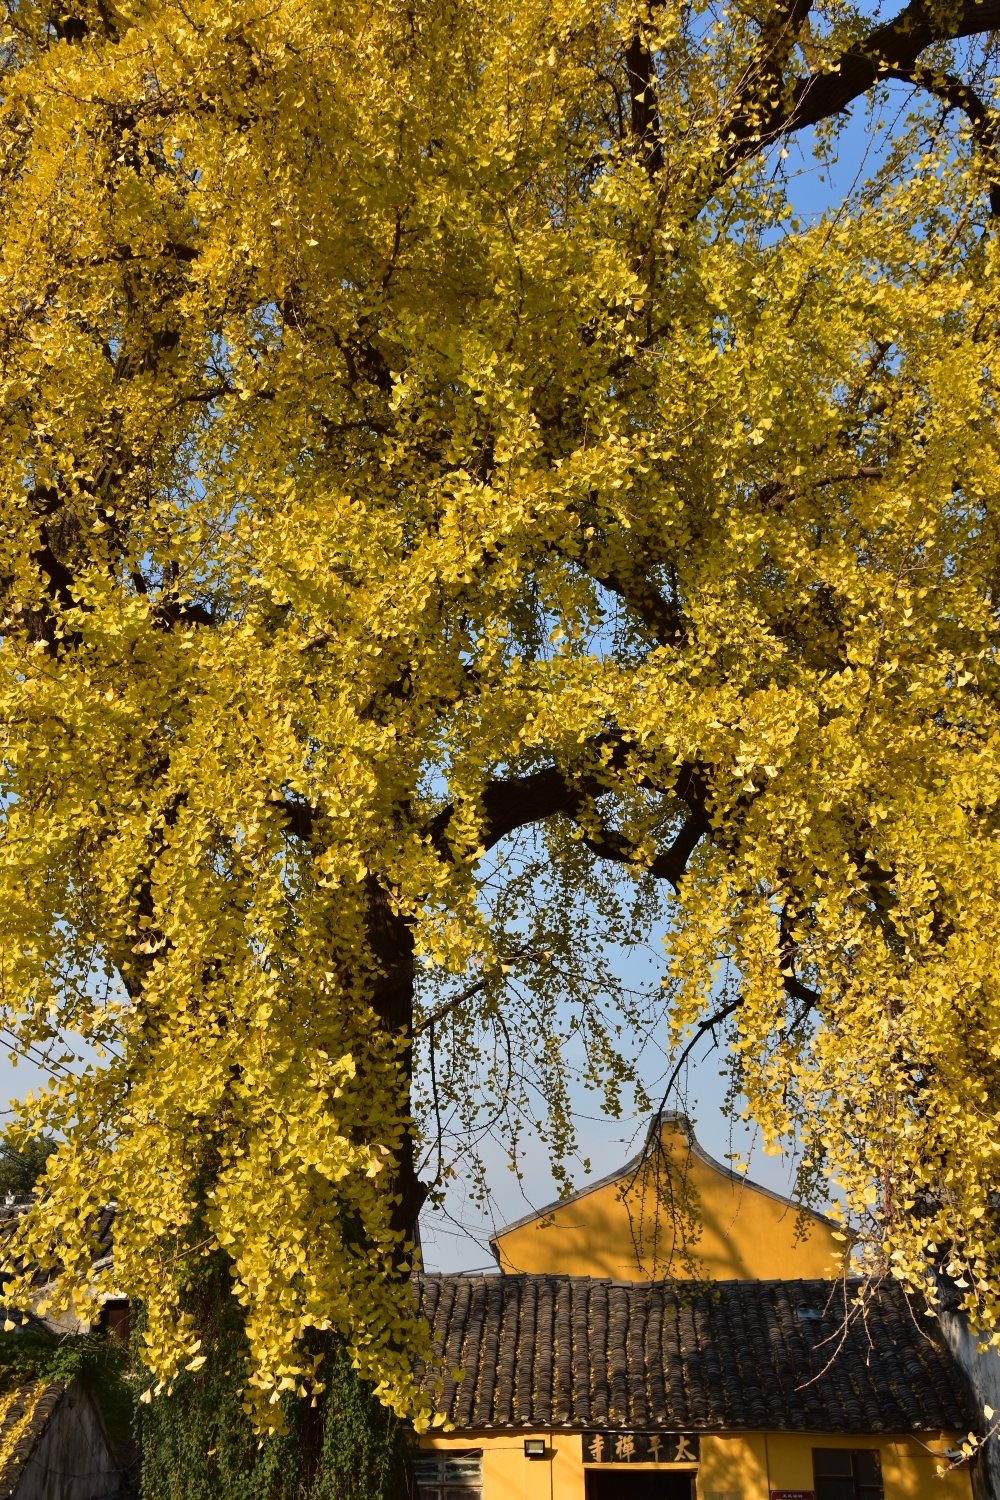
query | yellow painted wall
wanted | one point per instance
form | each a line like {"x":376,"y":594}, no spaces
{"x":680,"y":1214}
{"x":741,"y":1467}
{"x":908,"y":1469}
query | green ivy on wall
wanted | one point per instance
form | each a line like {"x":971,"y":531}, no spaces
{"x":198,"y":1444}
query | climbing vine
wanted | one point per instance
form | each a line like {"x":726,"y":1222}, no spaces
{"x":198,"y":1442}
{"x":32,"y":1353}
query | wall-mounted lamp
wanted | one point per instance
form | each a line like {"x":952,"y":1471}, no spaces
{"x":534,"y":1447}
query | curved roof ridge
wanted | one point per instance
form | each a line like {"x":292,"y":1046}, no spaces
{"x":659,"y":1118}
{"x":685,"y":1283}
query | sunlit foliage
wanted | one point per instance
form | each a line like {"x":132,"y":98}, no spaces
{"x":427,"y":422}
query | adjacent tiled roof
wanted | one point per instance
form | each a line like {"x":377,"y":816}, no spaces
{"x":24,"y":1414}
{"x":102,"y":1226}
{"x":544,"y":1351}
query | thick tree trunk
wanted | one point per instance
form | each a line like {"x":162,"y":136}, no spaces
{"x":391,"y":941}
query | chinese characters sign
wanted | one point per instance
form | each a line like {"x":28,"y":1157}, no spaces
{"x":616,"y":1447}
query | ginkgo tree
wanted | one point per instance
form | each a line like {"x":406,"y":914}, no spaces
{"x":427,"y":425}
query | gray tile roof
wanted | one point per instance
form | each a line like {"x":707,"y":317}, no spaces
{"x":23,"y":1425}
{"x":101,"y":1225}
{"x":566,"y":1351}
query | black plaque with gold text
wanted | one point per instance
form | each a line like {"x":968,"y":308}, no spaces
{"x":625,"y":1446}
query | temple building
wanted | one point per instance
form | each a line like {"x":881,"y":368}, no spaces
{"x":676,"y":1332}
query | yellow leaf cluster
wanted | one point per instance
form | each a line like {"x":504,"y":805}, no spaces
{"x":407,"y":440}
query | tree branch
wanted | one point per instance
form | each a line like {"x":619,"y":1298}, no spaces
{"x":645,"y":114}
{"x":510,"y":804}
{"x":798,"y":991}
{"x":670,"y":865}
{"x":708,"y":1024}
{"x":299,"y":818}
{"x":661,"y":618}
{"x":473,"y":989}
{"x":776,"y":493}
{"x":890,"y":49}
{"x":959,"y":95}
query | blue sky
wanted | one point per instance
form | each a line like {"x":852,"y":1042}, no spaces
{"x":456,"y":1239}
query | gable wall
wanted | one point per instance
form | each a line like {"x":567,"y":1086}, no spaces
{"x":679,"y":1215}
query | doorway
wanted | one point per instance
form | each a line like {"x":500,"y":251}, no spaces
{"x":640,"y":1484}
